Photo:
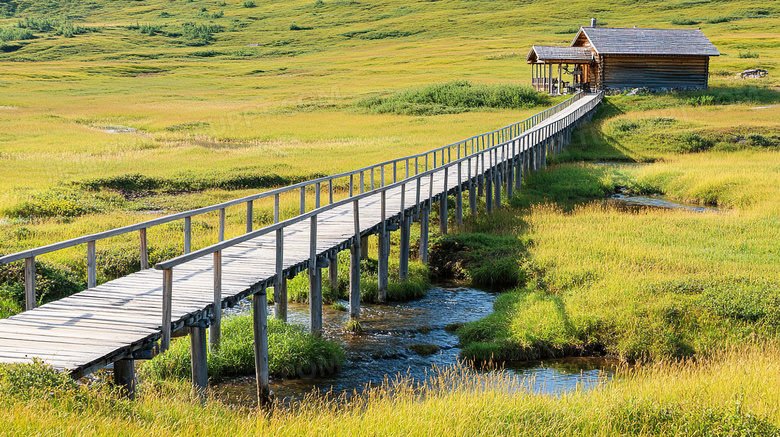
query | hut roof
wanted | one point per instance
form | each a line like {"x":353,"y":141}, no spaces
{"x":638,"y":41}
{"x":565,"y":54}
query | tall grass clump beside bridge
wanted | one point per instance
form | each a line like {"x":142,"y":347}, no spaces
{"x":454,"y":97}
{"x":731,"y":392}
{"x":292,"y":352}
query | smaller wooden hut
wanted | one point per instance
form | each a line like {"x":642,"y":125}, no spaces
{"x":622,"y":58}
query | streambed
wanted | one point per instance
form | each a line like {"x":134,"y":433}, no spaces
{"x":411,"y":339}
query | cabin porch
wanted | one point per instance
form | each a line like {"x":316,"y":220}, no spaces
{"x":561,"y":70}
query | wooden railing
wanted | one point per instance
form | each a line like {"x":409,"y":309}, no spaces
{"x":425,"y":162}
{"x":506,"y":152}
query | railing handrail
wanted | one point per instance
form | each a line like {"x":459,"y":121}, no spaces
{"x":278,"y":191}
{"x":173,"y":262}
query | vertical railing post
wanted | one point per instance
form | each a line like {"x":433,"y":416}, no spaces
{"x":443,"y":206}
{"x":354,"y":266}
{"x":30,"y":300}
{"x":215,"y":330}
{"x":403,"y":260}
{"x":260,"y":331}
{"x":280,"y":282}
{"x":395,"y":172}
{"x":187,"y":234}
{"x":330,"y":191}
{"x":315,"y":284}
{"x":249,"y":216}
{"x":222,"y":224}
{"x":167,"y":299}
{"x":302,"y":208}
{"x":459,"y":198}
{"x":144,"y":249}
{"x":91,"y":267}
{"x":351,"y":185}
{"x":276,"y":208}
{"x":362,"y":184}
{"x":317,"y":189}
{"x":384,"y":251}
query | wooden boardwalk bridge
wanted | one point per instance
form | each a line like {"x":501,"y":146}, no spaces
{"x":124,"y":319}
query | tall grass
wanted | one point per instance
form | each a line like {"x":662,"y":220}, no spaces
{"x":729,"y":393}
{"x":453,"y":97}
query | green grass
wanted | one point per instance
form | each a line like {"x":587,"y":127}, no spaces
{"x":292,"y":353}
{"x":730,"y":393}
{"x":452,"y":98}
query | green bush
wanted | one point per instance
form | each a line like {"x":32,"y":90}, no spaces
{"x":684,"y":21}
{"x":52,"y":282}
{"x":453,"y":97}
{"x":747,"y":55}
{"x":292,"y":353}
{"x":63,"y":202}
{"x":33,"y":380}
{"x":484,"y":260}
{"x":249,"y":4}
{"x":15,"y":34}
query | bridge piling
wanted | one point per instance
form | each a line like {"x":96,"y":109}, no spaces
{"x":280,"y":282}
{"x":215,"y":330}
{"x":424,"y":223}
{"x":198,"y":359}
{"x":260,"y":331}
{"x":333,"y":267}
{"x":443,"y":205}
{"x":383,"y":251}
{"x":403,"y":262}
{"x":354,"y":266}
{"x":315,"y":283}
{"x":459,"y":197}
{"x":124,"y":377}
{"x":489,"y":193}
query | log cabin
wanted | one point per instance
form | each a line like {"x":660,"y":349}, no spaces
{"x":611,"y":58}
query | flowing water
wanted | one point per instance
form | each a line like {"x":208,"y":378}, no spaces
{"x":411,"y":339}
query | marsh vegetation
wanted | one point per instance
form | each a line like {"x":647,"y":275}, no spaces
{"x":226,"y":98}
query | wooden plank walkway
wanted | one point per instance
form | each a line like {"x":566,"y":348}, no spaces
{"x":121,"y":319}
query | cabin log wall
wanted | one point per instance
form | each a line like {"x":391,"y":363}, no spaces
{"x":619,"y":72}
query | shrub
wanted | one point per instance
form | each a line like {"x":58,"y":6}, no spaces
{"x":249,"y":4}
{"x":684,"y":21}
{"x":292,"y":353}
{"x":33,"y":380}
{"x":52,"y":282}
{"x":62,"y":202}
{"x":719,"y":19}
{"x":15,"y":34}
{"x":693,"y":142}
{"x":453,"y":97}
{"x":486,"y":260}
{"x":747,"y":55}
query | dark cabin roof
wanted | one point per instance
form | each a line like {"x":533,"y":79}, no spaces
{"x":553,"y":53}
{"x":637,"y":41}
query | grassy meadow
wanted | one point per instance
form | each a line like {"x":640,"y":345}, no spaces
{"x":115,"y":112}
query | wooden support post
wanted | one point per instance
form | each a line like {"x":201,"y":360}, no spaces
{"x":403,"y":261}
{"x":260,"y":329}
{"x":354,"y":266}
{"x":459,"y":197}
{"x":333,"y":270}
{"x":167,"y":298}
{"x":424,"y":222}
{"x":351,"y":185}
{"x":510,"y":173}
{"x":302,"y":208}
{"x":249,"y":216}
{"x":198,"y":360}
{"x":330,"y":189}
{"x":124,"y":377}
{"x":560,"y":77}
{"x":276,"y":206}
{"x":472,"y":190}
{"x":489,"y":193}
{"x":187,"y":234}
{"x":30,"y":300}
{"x":215,"y":330}
{"x":497,"y":184}
{"x":280,"y":282}
{"x":518,"y":168}
{"x":364,"y":247}
{"x":144,"y":249}
{"x":384,"y":251}
{"x":91,"y":267}
{"x":315,"y":284}
{"x":443,"y":206}
{"x":221,"y":234}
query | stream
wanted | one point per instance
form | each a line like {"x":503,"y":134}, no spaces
{"x":394,"y":331}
